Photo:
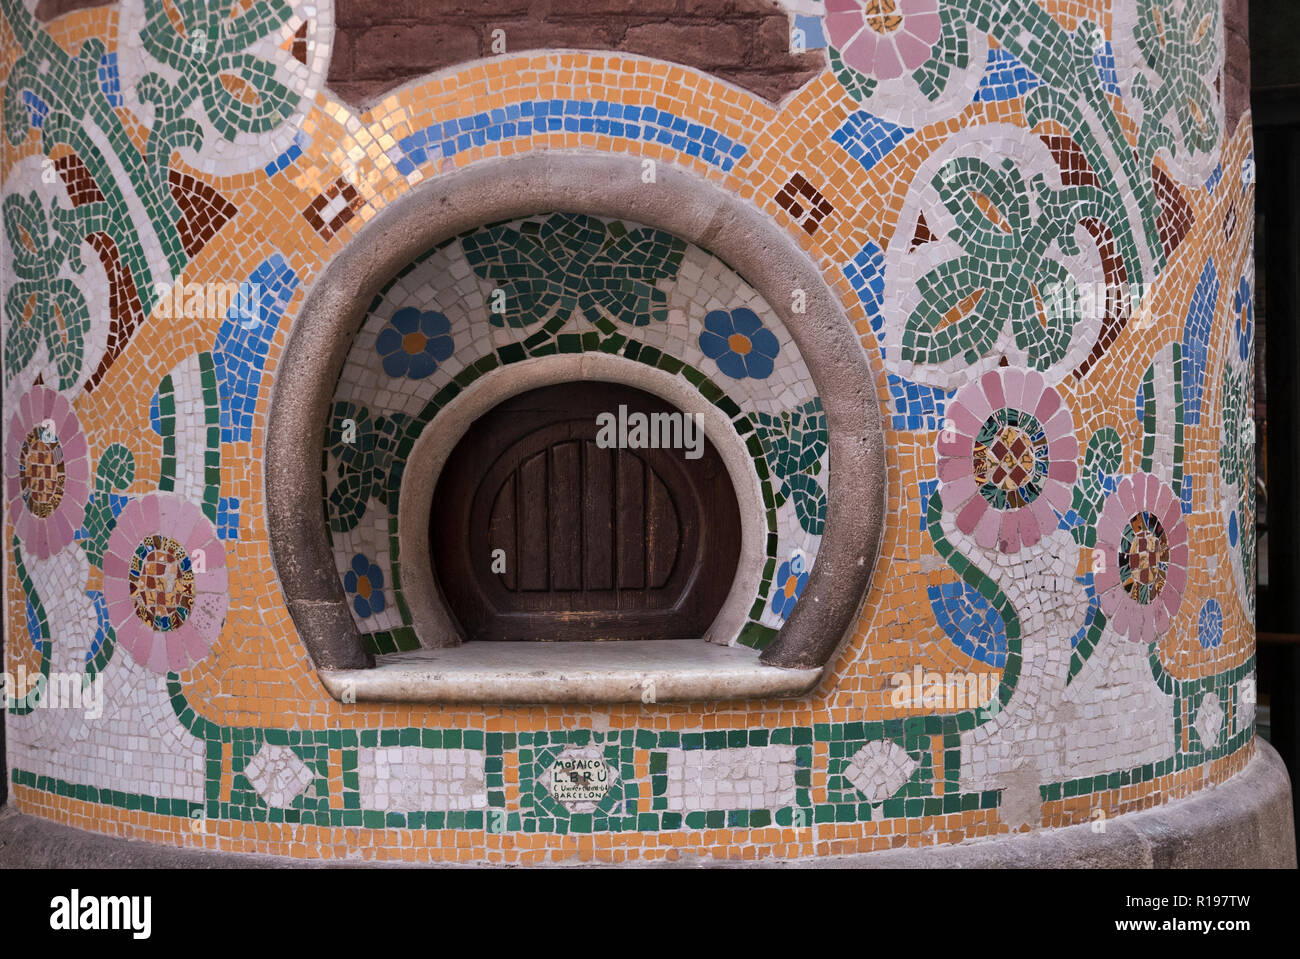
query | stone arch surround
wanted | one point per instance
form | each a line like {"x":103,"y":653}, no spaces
{"x":677,"y":202}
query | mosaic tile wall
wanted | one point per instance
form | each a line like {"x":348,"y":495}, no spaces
{"x":1064,"y":596}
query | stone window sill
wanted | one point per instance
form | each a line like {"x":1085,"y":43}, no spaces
{"x":666,"y":670}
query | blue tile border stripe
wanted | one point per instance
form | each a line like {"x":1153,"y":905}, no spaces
{"x":603,"y":117}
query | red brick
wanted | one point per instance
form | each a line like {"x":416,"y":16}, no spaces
{"x":773,"y":39}
{"x":413,"y":49}
{"x":533,"y":35}
{"x":707,"y":47}
{"x":47,"y":10}
{"x":364,"y":13}
{"x":621,"y":9}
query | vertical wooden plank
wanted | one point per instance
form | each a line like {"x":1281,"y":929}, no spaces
{"x":598,"y":517}
{"x":531,"y":506}
{"x":565,"y":516}
{"x":630,"y":521}
{"x":663,"y":532}
{"x":501,"y":535}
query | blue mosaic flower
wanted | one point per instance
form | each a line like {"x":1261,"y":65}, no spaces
{"x":739,"y":343}
{"x":365,"y":581}
{"x":413,"y":343}
{"x":1209,"y":625}
{"x":789,"y":584}
{"x":1243,"y":303}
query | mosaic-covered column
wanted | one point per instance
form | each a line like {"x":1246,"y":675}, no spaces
{"x":1033,"y":218}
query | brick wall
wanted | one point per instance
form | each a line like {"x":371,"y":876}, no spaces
{"x":1236,"y":61}
{"x":381,"y":44}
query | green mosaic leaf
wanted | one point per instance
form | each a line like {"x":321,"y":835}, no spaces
{"x":793,"y":445}
{"x":246,"y":98}
{"x":1232,"y":452}
{"x":1103,"y":457}
{"x":809,"y":502}
{"x":365,"y":451}
{"x":1182,"y":49}
{"x":959,"y":313}
{"x":207,"y":47}
{"x":570,"y":262}
{"x":115,"y":472}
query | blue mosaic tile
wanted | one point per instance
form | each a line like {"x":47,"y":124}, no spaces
{"x":1005,"y":78}
{"x":33,"y":625}
{"x":602,"y":117}
{"x":866,"y":274}
{"x":228,"y":517}
{"x":283,"y":160}
{"x":1196,"y":341}
{"x":925,"y":489}
{"x":867,"y":138}
{"x":109,"y":80}
{"x":970,"y":621}
{"x":37,"y":109}
{"x":103,"y":623}
{"x":1104,"y":60}
{"x":1215,"y":178}
{"x":813,"y":37}
{"x":919,"y":407}
{"x":1209,"y":624}
{"x":1244,"y":299}
{"x":239,"y":350}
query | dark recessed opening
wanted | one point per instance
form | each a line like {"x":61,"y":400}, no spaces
{"x":541,"y":528}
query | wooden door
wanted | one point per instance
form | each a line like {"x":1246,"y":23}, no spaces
{"x":539,"y":533}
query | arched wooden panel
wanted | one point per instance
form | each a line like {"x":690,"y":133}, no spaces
{"x":537,"y":532}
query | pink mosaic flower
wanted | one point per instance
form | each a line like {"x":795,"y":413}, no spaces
{"x":1140,"y":565}
{"x":47,"y":472}
{"x":1007,"y":459}
{"x":165,"y":582}
{"x":883,"y":38}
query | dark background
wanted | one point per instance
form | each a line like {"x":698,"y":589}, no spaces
{"x":1275,"y":103}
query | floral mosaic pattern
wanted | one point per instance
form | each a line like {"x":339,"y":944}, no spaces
{"x":1142,"y":532}
{"x":739,"y":343}
{"x":567,"y":262}
{"x":885,"y":38}
{"x":165,"y":583}
{"x":1007,"y":459}
{"x":47,"y":472}
{"x":1033,"y":212}
{"x":414,"y":343}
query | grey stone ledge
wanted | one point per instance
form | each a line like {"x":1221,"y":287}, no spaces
{"x":656,"y":670}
